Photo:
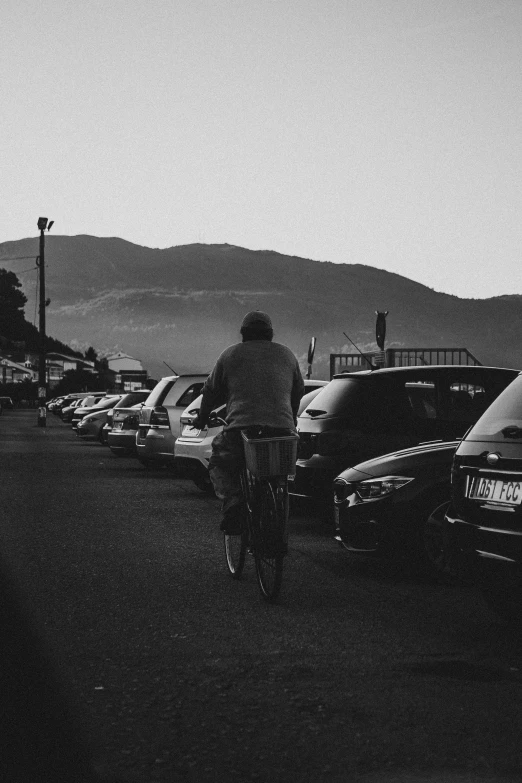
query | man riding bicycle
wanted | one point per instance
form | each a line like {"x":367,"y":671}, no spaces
{"x":261,"y":384}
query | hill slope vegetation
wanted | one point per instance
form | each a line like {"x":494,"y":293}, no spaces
{"x":183,"y":305}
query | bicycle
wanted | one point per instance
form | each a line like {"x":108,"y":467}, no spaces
{"x":264,"y":481}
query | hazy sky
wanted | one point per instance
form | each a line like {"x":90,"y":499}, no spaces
{"x":380,"y":132}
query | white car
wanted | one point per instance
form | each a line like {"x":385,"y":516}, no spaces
{"x":193,"y":448}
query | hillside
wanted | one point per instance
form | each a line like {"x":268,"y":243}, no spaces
{"x":183,"y":305}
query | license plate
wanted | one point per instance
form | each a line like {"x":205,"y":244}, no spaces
{"x":496,"y":491}
{"x":190,"y":432}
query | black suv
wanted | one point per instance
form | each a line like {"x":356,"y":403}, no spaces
{"x":484,"y":520}
{"x":363,"y":415}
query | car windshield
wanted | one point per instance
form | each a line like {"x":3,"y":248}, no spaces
{"x":503,"y":419}
{"x":86,"y":402}
{"x":342,"y":395}
{"x":106,"y":402}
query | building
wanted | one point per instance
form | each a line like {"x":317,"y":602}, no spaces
{"x":20,"y":366}
{"x":129,"y":374}
{"x":15,"y":372}
{"x":57,"y":364}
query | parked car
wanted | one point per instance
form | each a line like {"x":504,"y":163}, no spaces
{"x":88,"y":404}
{"x":122,"y":423}
{"x":51,"y":404}
{"x":194,"y":447}
{"x":159,"y":421}
{"x":397,"y":502}
{"x":484,"y":521}
{"x":66,"y":413}
{"x":66,"y":400}
{"x":91,"y":425}
{"x":6,"y":403}
{"x":362,"y":415}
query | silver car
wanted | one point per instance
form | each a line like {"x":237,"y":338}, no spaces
{"x":159,"y":421}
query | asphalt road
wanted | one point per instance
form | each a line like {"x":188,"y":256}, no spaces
{"x":126,"y":642}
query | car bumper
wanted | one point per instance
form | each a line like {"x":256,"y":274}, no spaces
{"x":155,"y":445}
{"x":191,"y":456}
{"x":314,"y":476}
{"x":87,"y":431}
{"x":364,"y":527}
{"x":122,"y":441}
{"x":487,"y":542}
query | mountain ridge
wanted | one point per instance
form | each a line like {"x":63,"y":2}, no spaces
{"x":184,"y":304}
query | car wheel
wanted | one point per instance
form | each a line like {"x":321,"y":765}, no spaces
{"x":434,"y":545}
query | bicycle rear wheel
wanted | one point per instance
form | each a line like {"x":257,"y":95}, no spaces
{"x":235,"y":550}
{"x":269,"y":527}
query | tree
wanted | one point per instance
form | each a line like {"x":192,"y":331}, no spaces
{"x":78,"y":380}
{"x":91,"y":355}
{"x":12,"y":303}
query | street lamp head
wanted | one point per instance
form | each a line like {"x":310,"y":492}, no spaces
{"x":42,"y":223}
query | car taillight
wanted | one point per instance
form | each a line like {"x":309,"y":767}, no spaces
{"x":159,"y":417}
{"x":455,"y":470}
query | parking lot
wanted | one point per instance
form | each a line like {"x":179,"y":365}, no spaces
{"x":365,"y":670}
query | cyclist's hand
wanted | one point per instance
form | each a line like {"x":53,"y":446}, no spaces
{"x":198,"y":423}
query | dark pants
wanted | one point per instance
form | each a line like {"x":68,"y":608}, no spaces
{"x":225,"y":468}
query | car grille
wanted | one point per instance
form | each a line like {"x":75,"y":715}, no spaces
{"x":341,"y":490}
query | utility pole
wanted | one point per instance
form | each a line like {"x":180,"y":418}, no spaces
{"x":42,"y":375}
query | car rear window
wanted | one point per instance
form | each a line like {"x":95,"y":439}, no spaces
{"x":502,"y":422}
{"x":190,"y":395}
{"x":160,"y":391}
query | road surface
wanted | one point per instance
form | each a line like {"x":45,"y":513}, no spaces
{"x":129,"y":644}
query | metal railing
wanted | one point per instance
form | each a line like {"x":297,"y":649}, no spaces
{"x":400,"y":357}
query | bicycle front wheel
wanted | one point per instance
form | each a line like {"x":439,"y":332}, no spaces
{"x":269,"y":525}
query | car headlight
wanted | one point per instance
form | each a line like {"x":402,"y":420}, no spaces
{"x":371,"y":489}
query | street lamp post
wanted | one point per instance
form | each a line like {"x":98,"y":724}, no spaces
{"x":42,"y":379}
